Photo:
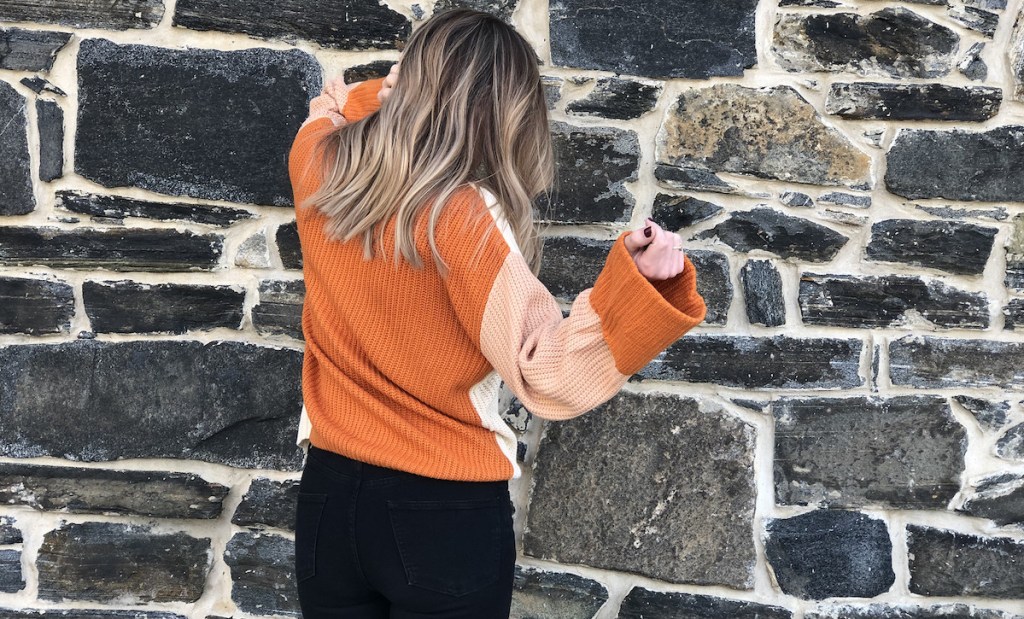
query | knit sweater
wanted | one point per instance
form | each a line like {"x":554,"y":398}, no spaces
{"x":403,"y":366}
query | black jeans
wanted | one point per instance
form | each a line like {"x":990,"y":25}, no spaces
{"x":376,"y":543}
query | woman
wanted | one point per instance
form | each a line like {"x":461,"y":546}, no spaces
{"x":420,"y":256}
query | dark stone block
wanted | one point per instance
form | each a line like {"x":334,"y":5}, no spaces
{"x":9,"y":534}
{"x":796,"y":199}
{"x":182,"y":122}
{"x":51,"y":139}
{"x":762,"y":293}
{"x":913,"y":101}
{"x":760,"y":362}
{"x":262,"y":574}
{"x":368,"y":71}
{"x":1013,"y":314}
{"x":678,"y":212}
{"x":540,"y":593}
{"x":11,"y":578}
{"x":667,"y":38}
{"x":223,"y":402}
{"x":268,"y":502}
{"x":120,"y":15}
{"x":946,"y":212}
{"x":931,"y":362}
{"x":16,"y":197}
{"x":82,"y":613}
{"x":119,"y":207}
{"x":884,"y":611}
{"x":112,"y":562}
{"x":947,"y":563}
{"x":1011,"y":445}
{"x":999,"y":498}
{"x":827,"y":553}
{"x":644,"y":604}
{"x":845,"y":199}
{"x":500,"y":8}
{"x":115,"y":250}
{"x":617,"y":98}
{"x":948,"y":246}
{"x":684,"y":492}
{"x":991,"y":415}
{"x":38,"y":85}
{"x":35,"y":306}
{"x":288,"y":246}
{"x":775,"y":232}
{"x":552,"y":90}
{"x":826,"y":4}
{"x":972,"y":65}
{"x":131,"y":307}
{"x":888,"y":301}
{"x":692,"y":179}
{"x":572,"y":264}
{"x":975,"y":19}
{"x":29,"y":50}
{"x":905,"y":452}
{"x":279,"y":311}
{"x":957,"y":164}
{"x":713,"y":283}
{"x":97,"y":491}
{"x":593,"y":163}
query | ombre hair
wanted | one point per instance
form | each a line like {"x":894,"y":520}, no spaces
{"x":468,"y":107}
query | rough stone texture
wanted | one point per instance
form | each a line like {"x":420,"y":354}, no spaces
{"x":991,"y":415}
{"x":115,"y":250}
{"x":684,"y":492}
{"x":131,"y":307}
{"x":279,"y":311}
{"x":763,"y":132}
{"x":679,"y":212}
{"x":97,"y":491}
{"x":772,"y":231}
{"x":826,"y":553}
{"x":762,"y":293}
{"x":888,"y":301}
{"x":253,"y":253}
{"x":957,"y":164}
{"x":268,"y":502}
{"x":999,"y":498}
{"x":501,"y":8}
{"x":288,"y":246}
{"x":552,"y":90}
{"x":16,"y":197}
{"x":225,"y":402}
{"x":9,"y":533}
{"x":617,"y":98}
{"x":713,"y":283}
{"x":1011,"y":445}
{"x":893,"y":42}
{"x":35,"y":306}
{"x":691,"y":179}
{"x":354,"y":24}
{"x":593,"y":163}
{"x":947,"y":563}
{"x":138,"y":127}
{"x":845,"y":199}
{"x":38,"y":85}
{"x":972,"y":65}
{"x":931,"y":362}
{"x":796,"y":199}
{"x":368,"y":71}
{"x":82,"y":613}
{"x":1013,"y":314}
{"x":11,"y":578}
{"x":661,"y":38}
{"x":742,"y":361}
{"x":643,"y":604}
{"x":120,"y":15}
{"x":29,"y":50}
{"x":905,"y":452}
{"x":572,"y":264}
{"x":540,"y":594}
{"x":884,"y":611}
{"x":946,"y":212}
{"x":913,"y":101}
{"x":975,"y":19}
{"x":1015,"y":255}
{"x":945,"y":245}
{"x":1016,"y":52}
{"x":262,"y":574}
{"x":50,"y":119}
{"x":113,"y":562}
{"x":118,"y":207}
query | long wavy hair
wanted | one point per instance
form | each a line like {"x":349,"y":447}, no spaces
{"x":468,"y":107}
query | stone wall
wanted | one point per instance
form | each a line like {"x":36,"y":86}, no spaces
{"x":842,"y":438}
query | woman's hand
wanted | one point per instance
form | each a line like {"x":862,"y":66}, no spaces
{"x":389,"y":83}
{"x":658,"y":253}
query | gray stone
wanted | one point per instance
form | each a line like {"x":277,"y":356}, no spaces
{"x":253,"y":253}
{"x":130,"y":307}
{"x":661,"y":38}
{"x":762,"y":293}
{"x":617,"y":98}
{"x":552,"y":90}
{"x":1015,"y":255}
{"x":262,"y":574}
{"x":975,"y":19}
{"x":691,"y":179}
{"x":972,"y":65}
{"x":224,"y":402}
{"x":499,"y":8}
{"x":948,"y":563}
{"x":762,"y":132}
{"x":679,"y":212}
{"x":827,"y":4}
{"x":947,"y":212}
{"x":9,"y":533}
{"x":515,"y":414}
{"x":195,"y":140}
{"x":288,"y":246}
{"x":643,"y":604}
{"x":892,"y":42}
{"x":127,"y":564}
{"x":16,"y":196}
{"x":884,"y":611}
{"x":931,"y":362}
{"x":999,"y":498}
{"x":539,"y":594}
{"x":120,"y":207}
{"x":82,"y":613}
{"x":50,"y":119}
{"x":830,"y":553}
{"x":1013,"y":314}
{"x":861,"y":100}
{"x":713,"y":283}
{"x":1011,"y":445}
{"x":888,"y":301}
{"x":572,"y":264}
{"x":843,"y":218}
{"x":760,"y":362}
{"x":944,"y":245}
{"x":120,"y":15}
{"x":905,"y":452}
{"x":796,"y":199}
{"x":354,"y":24}
{"x":1016,"y":54}
{"x":279,"y":311}
{"x":11,"y":578}
{"x":29,"y":50}
{"x":845,"y":199}
{"x":991,"y":415}
{"x":772,"y":231}
{"x":957,"y":164}
{"x":268,"y":503}
{"x":35,"y":306}
{"x":684,"y":492}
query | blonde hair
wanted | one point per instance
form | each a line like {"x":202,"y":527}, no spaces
{"x":468,"y":107}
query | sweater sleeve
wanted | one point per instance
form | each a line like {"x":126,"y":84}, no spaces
{"x":559,"y":367}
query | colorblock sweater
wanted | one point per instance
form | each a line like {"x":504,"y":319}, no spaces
{"x":403,"y":366}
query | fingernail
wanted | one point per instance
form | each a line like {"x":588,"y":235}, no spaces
{"x":647,"y":232}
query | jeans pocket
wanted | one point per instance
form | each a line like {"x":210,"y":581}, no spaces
{"x":308,"y":513}
{"x":451,"y":547}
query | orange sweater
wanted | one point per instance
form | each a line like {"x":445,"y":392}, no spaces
{"x":402,"y":366}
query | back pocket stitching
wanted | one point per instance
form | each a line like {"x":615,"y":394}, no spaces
{"x":305,"y":572}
